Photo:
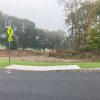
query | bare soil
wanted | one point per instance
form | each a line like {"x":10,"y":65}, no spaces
{"x":45,"y":59}
{"x":30,"y":55}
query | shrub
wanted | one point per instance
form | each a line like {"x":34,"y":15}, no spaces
{"x":63,"y":54}
{"x":53,"y":54}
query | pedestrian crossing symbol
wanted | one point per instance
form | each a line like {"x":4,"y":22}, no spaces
{"x":10,"y":39}
{"x":10,"y":33}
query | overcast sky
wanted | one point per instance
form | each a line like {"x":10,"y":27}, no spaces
{"x":47,"y":14}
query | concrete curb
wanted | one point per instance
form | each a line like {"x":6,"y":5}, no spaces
{"x":80,"y":70}
{"x":76,"y":69}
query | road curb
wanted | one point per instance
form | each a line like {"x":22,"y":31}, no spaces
{"x":69,"y":70}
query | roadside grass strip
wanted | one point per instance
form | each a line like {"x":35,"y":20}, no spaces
{"x":5,"y":63}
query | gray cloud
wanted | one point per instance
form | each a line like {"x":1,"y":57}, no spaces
{"x":45,"y":13}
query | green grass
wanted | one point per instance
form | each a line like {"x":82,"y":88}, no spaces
{"x":4,"y":63}
{"x":88,"y":64}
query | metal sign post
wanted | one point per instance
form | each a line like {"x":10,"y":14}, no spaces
{"x":9,"y":52}
{"x":10,"y":33}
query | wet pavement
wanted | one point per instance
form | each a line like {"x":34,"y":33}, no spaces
{"x":21,"y":85}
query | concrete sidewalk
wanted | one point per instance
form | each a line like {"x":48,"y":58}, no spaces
{"x":43,"y":68}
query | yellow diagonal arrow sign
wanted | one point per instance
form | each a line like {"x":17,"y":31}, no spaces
{"x":10,"y":31}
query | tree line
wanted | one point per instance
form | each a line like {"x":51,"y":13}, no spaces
{"x":26,"y":35}
{"x":82,"y":20}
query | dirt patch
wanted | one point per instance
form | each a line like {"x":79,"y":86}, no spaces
{"x":31,"y":55}
{"x":20,"y":53}
{"x":45,"y":59}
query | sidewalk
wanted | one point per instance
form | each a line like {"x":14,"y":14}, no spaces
{"x":67,"y":68}
{"x":43,"y":68}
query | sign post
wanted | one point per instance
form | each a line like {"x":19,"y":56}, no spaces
{"x":9,"y":52}
{"x":10,"y":33}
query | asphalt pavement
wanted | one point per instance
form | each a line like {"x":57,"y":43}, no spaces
{"x":22,"y":85}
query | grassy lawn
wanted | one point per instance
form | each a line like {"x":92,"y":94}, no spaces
{"x":4,"y":63}
{"x":88,"y":64}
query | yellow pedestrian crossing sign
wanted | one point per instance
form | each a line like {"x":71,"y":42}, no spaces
{"x":10,"y":39}
{"x":10,"y":31}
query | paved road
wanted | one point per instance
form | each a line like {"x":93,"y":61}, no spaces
{"x":16,"y":85}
